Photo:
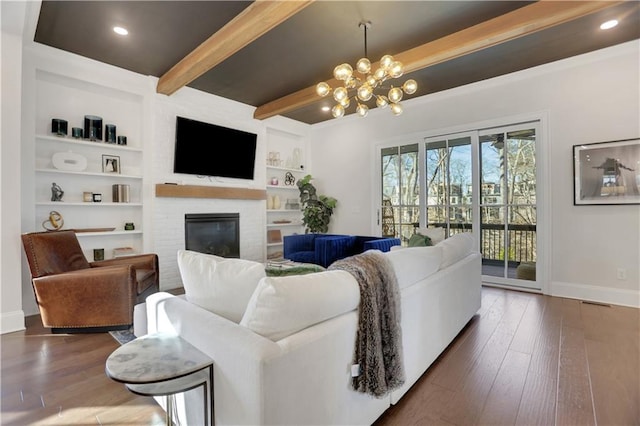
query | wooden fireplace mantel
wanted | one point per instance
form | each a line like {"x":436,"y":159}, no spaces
{"x":201,"y":191}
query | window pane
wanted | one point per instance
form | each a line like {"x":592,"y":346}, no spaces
{"x":436,"y":172}
{"x":521,"y":167}
{"x":491,"y":168}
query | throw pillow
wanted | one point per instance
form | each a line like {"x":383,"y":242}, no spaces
{"x":419,"y":240}
{"x":282,"y":306}
{"x":217,"y":284}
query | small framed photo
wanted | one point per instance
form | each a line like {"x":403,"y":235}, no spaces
{"x":607,"y":173}
{"x":110,"y":164}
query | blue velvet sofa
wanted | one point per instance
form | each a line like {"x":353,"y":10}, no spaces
{"x":324,"y":249}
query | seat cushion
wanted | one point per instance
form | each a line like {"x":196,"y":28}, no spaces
{"x":217,"y":284}
{"x":281,"y":306}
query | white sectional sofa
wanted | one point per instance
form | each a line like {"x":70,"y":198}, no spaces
{"x":283,"y":347}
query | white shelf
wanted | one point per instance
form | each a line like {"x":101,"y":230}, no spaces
{"x":111,"y":175}
{"x":285,"y":169}
{"x":285,"y":187}
{"x":88,"y":204}
{"x":279,"y":225}
{"x":283,"y":210}
{"x":88,"y":143}
{"x":107,"y":233}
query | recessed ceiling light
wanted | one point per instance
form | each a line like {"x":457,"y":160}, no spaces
{"x":609,"y":24}
{"x":120,"y":30}
{"x":326,"y":108}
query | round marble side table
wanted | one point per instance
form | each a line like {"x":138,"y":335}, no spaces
{"x":163,"y":365}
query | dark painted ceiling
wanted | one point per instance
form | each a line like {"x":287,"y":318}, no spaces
{"x":303,"y":50}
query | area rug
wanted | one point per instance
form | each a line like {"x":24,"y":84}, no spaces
{"x":123,"y":336}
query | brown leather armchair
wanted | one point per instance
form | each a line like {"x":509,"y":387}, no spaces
{"x":77,"y":296}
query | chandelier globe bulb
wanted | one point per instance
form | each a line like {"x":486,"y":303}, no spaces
{"x":410,"y":87}
{"x":362,"y":110}
{"x":337,"y":111}
{"x":380,"y":74}
{"x":381,"y":101}
{"x":365,"y":92}
{"x":395,"y":95}
{"x":386,"y":61}
{"x":323,"y":89}
{"x":363,"y":66}
{"x":342,"y":72}
{"x":345,"y":103}
{"x":340,"y":93}
{"x":396,"y":109}
{"x":396,"y":69}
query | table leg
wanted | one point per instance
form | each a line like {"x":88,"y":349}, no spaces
{"x":169,"y":418}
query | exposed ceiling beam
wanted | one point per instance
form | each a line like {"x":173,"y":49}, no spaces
{"x":521,"y":22}
{"x":257,"y":19}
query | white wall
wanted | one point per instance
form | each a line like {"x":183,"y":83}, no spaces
{"x":11,"y":314}
{"x":589,"y":98}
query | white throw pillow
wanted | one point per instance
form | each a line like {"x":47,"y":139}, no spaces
{"x":436,"y":234}
{"x":414,"y":263}
{"x":217,"y":284}
{"x":281,"y":306}
{"x":455,"y":248}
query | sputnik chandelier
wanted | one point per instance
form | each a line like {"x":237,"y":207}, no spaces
{"x":369,"y":86}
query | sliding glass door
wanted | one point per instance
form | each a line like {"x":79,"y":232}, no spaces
{"x":399,"y":211}
{"x":508,"y":204}
{"x":483,"y":181}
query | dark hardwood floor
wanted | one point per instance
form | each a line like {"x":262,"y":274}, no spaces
{"x":525,"y":359}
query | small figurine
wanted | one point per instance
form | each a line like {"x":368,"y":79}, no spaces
{"x":56,"y":192}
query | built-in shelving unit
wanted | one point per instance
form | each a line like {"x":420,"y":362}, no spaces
{"x":285,"y":159}
{"x":62,"y":97}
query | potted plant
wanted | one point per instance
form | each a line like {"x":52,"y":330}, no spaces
{"x":316,"y":209}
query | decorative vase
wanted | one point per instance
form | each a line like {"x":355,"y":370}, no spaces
{"x":276,"y":202}
{"x":110,"y":133}
{"x":269,"y":203}
{"x":93,"y":127}
{"x":59,"y":126}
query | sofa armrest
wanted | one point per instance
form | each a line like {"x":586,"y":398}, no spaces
{"x":142,"y":261}
{"x":331,"y":248}
{"x":239,"y":357}
{"x":382,"y":244}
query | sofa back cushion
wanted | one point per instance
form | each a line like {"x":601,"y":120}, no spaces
{"x":456,"y":248}
{"x":281,"y":306}
{"x":217,"y":284}
{"x":414,"y":263}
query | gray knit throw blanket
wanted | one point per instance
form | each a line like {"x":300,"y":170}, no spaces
{"x":378,"y":347}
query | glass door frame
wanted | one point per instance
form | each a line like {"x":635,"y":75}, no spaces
{"x":540,"y":119}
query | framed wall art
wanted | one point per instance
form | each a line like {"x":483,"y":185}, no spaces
{"x":607,"y":173}
{"x":110,"y":164}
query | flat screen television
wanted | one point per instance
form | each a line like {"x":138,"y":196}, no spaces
{"x":210,"y":150}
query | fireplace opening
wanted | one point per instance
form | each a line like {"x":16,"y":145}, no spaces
{"x":213,"y":233}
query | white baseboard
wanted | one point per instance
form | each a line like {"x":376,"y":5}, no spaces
{"x":11,"y":321}
{"x":613,"y":296}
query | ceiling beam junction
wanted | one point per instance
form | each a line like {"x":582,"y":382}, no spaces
{"x":510,"y":26}
{"x":257,"y":19}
